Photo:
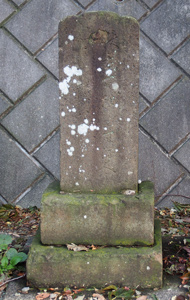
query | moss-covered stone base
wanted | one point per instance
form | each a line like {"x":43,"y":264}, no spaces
{"x":98,"y":219}
{"x":51,"y":266}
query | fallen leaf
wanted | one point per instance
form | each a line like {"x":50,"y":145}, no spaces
{"x":98,"y":296}
{"x":180,"y":297}
{"x":142,"y":298}
{"x":42,"y":296}
{"x":77,"y":247}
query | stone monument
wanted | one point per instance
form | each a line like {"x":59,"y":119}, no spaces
{"x":98,"y":200}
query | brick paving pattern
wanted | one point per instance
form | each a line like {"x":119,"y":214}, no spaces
{"x":29,"y":102}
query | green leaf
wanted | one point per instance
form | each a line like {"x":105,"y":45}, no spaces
{"x":121,"y":293}
{"x":11,"y":253}
{"x":5,"y":239}
{"x":23,"y":256}
{"x":4,"y":262}
{"x":110,"y":287}
{"x":3,"y":247}
{"x":15,"y":260}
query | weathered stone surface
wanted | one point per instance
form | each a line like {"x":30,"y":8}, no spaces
{"x":180,"y":57}
{"x":49,"y":266}
{"x":180,"y":194}
{"x":49,"y":58}
{"x":49,"y":155}
{"x":169,"y":24}
{"x":182,"y":155}
{"x":41,"y":20}
{"x":154,"y":165}
{"x":12,"y":160}
{"x":35,"y":117}
{"x":157,"y":73}
{"x":99,"y":74}
{"x":5,"y":10}
{"x":4,"y":104}
{"x":98,"y":219}
{"x":21,"y":76}
{"x":34,"y":196}
{"x":123,"y":8}
{"x":171,"y":112}
{"x":151,"y":3}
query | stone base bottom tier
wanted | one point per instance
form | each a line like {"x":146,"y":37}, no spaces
{"x":51,"y":266}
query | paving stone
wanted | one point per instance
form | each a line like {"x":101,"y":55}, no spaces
{"x":169,"y":24}
{"x":155,"y":166}
{"x":18,"y":171}
{"x":49,"y":58}
{"x":2,"y":201}
{"x":40,"y":19}
{"x":182,"y":189}
{"x":85,"y":2}
{"x":19,"y":2}
{"x":98,"y":219}
{"x":142,"y":104}
{"x":18,"y":69}
{"x":35,"y":117}
{"x":182,"y":155}
{"x":151,"y":3}
{"x":156,"y":71}
{"x":49,"y":266}
{"x":169,"y":113}
{"x":34,"y":196}
{"x":49,"y":155}
{"x":4,"y":104}
{"x":181,"y":57}
{"x":126,"y":8}
{"x":5,"y":10}
{"x":99,"y":106}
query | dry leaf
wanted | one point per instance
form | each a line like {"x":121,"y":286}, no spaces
{"x":98,"y":296}
{"x":77,"y":247}
{"x":142,"y":298}
{"x":42,"y":296}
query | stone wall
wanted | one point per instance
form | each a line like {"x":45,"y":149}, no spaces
{"x":29,"y":100}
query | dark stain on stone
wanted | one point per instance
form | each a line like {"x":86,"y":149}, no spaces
{"x":99,"y":37}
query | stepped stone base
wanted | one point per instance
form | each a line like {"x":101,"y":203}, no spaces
{"x":98,"y":219}
{"x":51,"y":266}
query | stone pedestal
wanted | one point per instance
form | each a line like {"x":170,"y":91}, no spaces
{"x":98,"y":200}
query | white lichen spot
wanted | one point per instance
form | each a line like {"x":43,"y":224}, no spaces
{"x":129,"y":192}
{"x":120,"y":119}
{"x":82,"y":129}
{"x":70,"y":37}
{"x":120,"y":62}
{"x":130,"y":172}
{"x":116,"y":150}
{"x":97,"y":148}
{"x":105,"y":155}
{"x":86,"y":121}
{"x":99,"y":58}
{"x":139,"y":181}
{"x":148,"y":268}
{"x":87,"y":262}
{"x":128,"y":66}
{"x":64,"y":87}
{"x":99,"y":69}
{"x":133,"y":54}
{"x":73,"y":132}
{"x":74,"y":94}
{"x":82,"y":155}
{"x":73,"y":109}
{"x":128,"y":119}
{"x":73,"y":126}
{"x":131,"y":84}
{"x":68,"y":142}
{"x":108,"y":72}
{"x":87,"y":141}
{"x":84,"y":99}
{"x":85,"y":216}
{"x":74,"y":81}
{"x":70,"y":151}
{"x":115,"y":86}
{"x":66,"y":42}
{"x":70,"y":167}
{"x":116,"y":105}
{"x":105,"y":128}
{"x":63,"y":114}
{"x":76,"y":183}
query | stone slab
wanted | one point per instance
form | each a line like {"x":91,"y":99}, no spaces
{"x":180,"y":57}
{"x":99,"y":89}
{"x":41,"y":19}
{"x":50,"y":266}
{"x":169,"y":24}
{"x":172,"y":111}
{"x":98,"y":219}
